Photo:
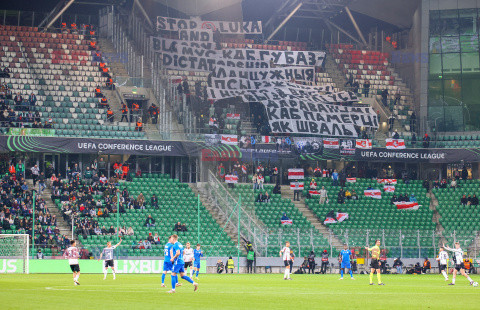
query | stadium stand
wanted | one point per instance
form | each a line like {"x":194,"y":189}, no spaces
{"x":62,"y":72}
{"x":376,"y":215}
{"x":270,"y":213}
{"x":176,"y":202}
{"x":458,"y":220}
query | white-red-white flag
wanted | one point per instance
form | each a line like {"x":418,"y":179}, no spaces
{"x":296,"y":174}
{"x":297,"y":187}
{"x":363,"y":144}
{"x":395,"y":144}
{"x":329,"y":220}
{"x":373,"y":193}
{"x":331,"y":143}
{"x":287,"y":222}
{"x":389,"y":188}
{"x":230,"y":178}
{"x":233,"y":115}
{"x":387,"y":181}
{"x":230,"y":139}
{"x":266,"y":139}
{"x":407,"y":205}
{"x":352,"y":180}
{"x":314,"y":192}
{"x":341,"y":216}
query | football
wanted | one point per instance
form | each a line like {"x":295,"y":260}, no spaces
{"x":475,"y":284}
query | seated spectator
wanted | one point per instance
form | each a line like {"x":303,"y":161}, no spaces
{"x":111,"y":230}
{"x":413,"y":198}
{"x":453,"y":184}
{"x":150,"y":221}
{"x":141,"y":199}
{"x":474,"y":200}
{"x":469,"y":200}
{"x":266,"y":197}
{"x":354,"y":195}
{"x":426,"y":265}
{"x":5,"y":73}
{"x":130,"y":231}
{"x":220,"y":266}
{"x":184,"y":227}
{"x":277,"y":189}
{"x":18,"y":99}
{"x":348,"y":195}
{"x":156,"y":239}
{"x":150,"y":238}
{"x":260,"y":197}
{"x":177,"y":227}
{"x":154,"y":201}
{"x":464,"y":200}
{"x":341,"y":197}
{"x":393,"y":199}
{"x":443,"y":184}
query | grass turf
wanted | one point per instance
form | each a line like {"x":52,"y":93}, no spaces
{"x":236,"y":292}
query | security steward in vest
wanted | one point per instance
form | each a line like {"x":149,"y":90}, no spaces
{"x":230,"y":265}
{"x":124,"y":111}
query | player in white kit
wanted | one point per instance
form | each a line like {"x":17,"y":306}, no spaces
{"x":72,"y":254}
{"x":108,"y":254}
{"x":285,"y":254}
{"x":443,"y":260}
{"x":188,"y":258}
{"x":457,"y":257}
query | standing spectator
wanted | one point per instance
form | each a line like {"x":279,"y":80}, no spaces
{"x":311,"y":262}
{"x":18,"y":99}
{"x":384,"y":95}
{"x":323,"y":195}
{"x":296,"y":191}
{"x":32,"y":99}
{"x":413,"y":119}
{"x":20,"y":169}
{"x":35,"y":173}
{"x":349,"y":81}
{"x":102,"y":166}
{"x":426,"y":141}
{"x":398,"y":96}
{"x":335,"y":177}
{"x":366,"y":88}
{"x":391,"y":121}
{"x":41,"y":183}
{"x":325,"y":262}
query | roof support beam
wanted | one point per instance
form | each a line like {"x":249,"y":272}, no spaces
{"x":284,"y":22}
{"x":360,"y":34}
{"x":139,"y":5}
{"x":342,"y":31}
{"x":60,"y":10}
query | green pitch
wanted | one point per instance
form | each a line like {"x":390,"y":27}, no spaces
{"x":236,"y":292}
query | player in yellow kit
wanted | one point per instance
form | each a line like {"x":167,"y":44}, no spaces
{"x":375,"y":264}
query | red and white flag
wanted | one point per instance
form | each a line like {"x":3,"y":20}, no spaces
{"x":233,"y":115}
{"x":244,"y":169}
{"x":387,"y":181}
{"x":266,"y":139}
{"x":352,"y":180}
{"x":230,"y":178}
{"x":341,"y":217}
{"x":389,"y":188}
{"x":230,"y":139}
{"x":395,"y":144}
{"x":373,"y":193}
{"x":297,"y":187}
{"x":314,"y":192}
{"x":296,"y":174}
{"x":287,"y":222}
{"x":363,"y":144}
{"x":406,"y":205}
{"x":331,"y":143}
{"x":329,"y":220}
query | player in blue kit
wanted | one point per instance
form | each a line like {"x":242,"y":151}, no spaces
{"x":167,"y":264}
{"x":345,"y":256}
{"x":178,"y":265}
{"x":197,"y":253}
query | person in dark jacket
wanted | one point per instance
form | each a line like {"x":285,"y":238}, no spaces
{"x":397,"y":263}
{"x":325,"y":262}
{"x":311,"y":262}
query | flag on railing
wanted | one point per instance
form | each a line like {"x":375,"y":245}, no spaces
{"x":407,"y":205}
{"x":230,"y":139}
{"x":233,"y":115}
{"x":329,"y":220}
{"x":331,"y":143}
{"x":341,"y":217}
{"x":387,"y":181}
{"x":296,"y":174}
{"x":266,"y":139}
{"x":298,"y":186}
{"x":395,"y":144}
{"x":389,"y":188}
{"x":363,"y":144}
{"x":352,"y":180}
{"x":230,"y":178}
{"x":373,"y":193}
{"x":314,"y":192}
{"x":287,"y":222}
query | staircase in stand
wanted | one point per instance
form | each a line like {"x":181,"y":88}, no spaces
{"x":217,"y":214}
{"x":287,"y":193}
{"x":436,"y":216}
